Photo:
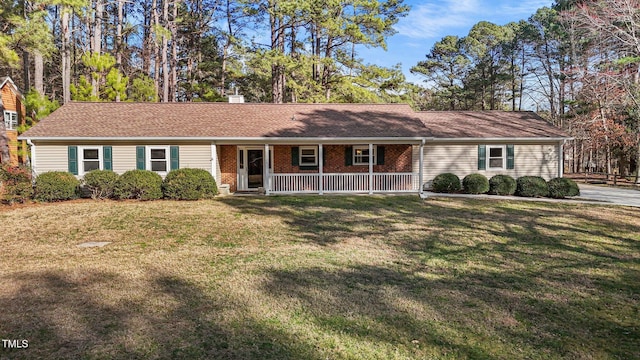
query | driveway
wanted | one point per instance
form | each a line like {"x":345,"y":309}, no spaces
{"x":629,"y":197}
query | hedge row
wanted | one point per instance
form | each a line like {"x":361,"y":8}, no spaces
{"x":526,"y":186}
{"x":181,"y":184}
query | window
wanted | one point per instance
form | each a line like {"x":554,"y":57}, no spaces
{"x":308,"y":156}
{"x":90,"y":158}
{"x":158,"y":159}
{"x":495,"y":157}
{"x":10,"y":120}
{"x":361,"y":155}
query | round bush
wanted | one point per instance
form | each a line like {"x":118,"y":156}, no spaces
{"x":56,"y":186}
{"x":139,"y":184}
{"x":562,"y":187}
{"x":189,"y":184}
{"x":101,"y":183}
{"x":446,"y":183}
{"x":531,"y":186}
{"x":15,"y":184}
{"x":475,"y":184}
{"x":502,"y":185}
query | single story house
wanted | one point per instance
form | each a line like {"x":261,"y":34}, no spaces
{"x":296,"y":148}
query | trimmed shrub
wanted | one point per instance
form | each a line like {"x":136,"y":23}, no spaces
{"x":189,"y":184}
{"x":562,"y":187}
{"x":139,"y":184}
{"x":446,"y":183}
{"x":100,"y":183}
{"x":531,"y":186}
{"x":15,"y":184}
{"x":502,"y":185}
{"x":475,"y":184}
{"x":56,"y":186}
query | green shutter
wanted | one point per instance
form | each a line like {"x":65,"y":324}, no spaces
{"x":174,"y":156}
{"x":510,"y":157}
{"x":141,"y":162}
{"x":72,"y":157}
{"x":295,"y":156}
{"x":107,"y":158}
{"x":348,"y":156}
{"x":324,"y":156}
{"x":380,"y":155}
{"x":482,"y":157}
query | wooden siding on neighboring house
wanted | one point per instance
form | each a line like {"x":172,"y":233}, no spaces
{"x":11,"y":101}
{"x":462,"y":159}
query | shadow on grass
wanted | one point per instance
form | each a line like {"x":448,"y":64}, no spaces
{"x":528,"y":271}
{"x":66,"y":318}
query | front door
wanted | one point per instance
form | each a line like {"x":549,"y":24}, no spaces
{"x":255,"y":168}
{"x":250,"y":168}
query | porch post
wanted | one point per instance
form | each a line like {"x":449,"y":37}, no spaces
{"x":320,"y":169}
{"x":267,"y":177}
{"x":370,"y":169}
{"x":215,"y":165}
{"x":561,"y":158}
{"x":421,"y":167}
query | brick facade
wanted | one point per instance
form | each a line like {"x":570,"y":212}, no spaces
{"x":397,"y":158}
{"x":228,"y":166}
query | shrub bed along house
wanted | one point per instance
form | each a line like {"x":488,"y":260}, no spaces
{"x":139,"y":184}
{"x":56,"y":186}
{"x":15,"y":184}
{"x":446,"y":183}
{"x":475,"y":184}
{"x":532,"y":186}
{"x":100,"y":183}
{"x":189,"y":184}
{"x":562,"y":187}
{"x":502,"y":185}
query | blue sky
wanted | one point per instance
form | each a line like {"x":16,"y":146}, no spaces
{"x":431,"y":20}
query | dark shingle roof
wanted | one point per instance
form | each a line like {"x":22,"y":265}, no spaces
{"x":249,"y":120}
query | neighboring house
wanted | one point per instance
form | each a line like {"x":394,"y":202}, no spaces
{"x":13,"y":113}
{"x":296,"y":148}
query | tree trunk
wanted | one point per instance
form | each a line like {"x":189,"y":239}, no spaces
{"x":38,"y":73}
{"x":156,"y":47}
{"x":66,"y":56}
{"x":174,"y":51}
{"x":165,"y":49}
{"x":119,"y":43}
{"x":96,"y":43}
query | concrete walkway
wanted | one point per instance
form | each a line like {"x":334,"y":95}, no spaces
{"x":592,"y":194}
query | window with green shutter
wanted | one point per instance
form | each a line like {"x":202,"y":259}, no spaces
{"x":174,"y":157}
{"x":482,"y":157}
{"x":141,"y":163}
{"x":72,"y":159}
{"x":510,"y":157}
{"x":107,"y":157}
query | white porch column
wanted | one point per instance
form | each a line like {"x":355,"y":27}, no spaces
{"x":370,"y":169}
{"x":267,"y":175}
{"x":320,"y":169}
{"x":34,"y":165}
{"x":421,"y":167}
{"x":215,"y":163}
{"x":561,"y":158}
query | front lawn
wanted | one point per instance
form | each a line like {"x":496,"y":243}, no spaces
{"x":335,"y":277}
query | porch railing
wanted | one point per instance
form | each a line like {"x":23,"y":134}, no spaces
{"x":344,"y":182}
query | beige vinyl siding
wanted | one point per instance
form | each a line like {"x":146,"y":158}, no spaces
{"x":123,"y":158}
{"x":195,"y":156}
{"x":462,"y":159}
{"x":51,"y":158}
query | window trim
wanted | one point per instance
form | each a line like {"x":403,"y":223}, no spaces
{"x":503,"y":157}
{"x":81,"y":159}
{"x":9,"y":124}
{"x":315,"y":155}
{"x":373,"y":158}
{"x":167,"y":158}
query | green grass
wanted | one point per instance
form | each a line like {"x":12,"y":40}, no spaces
{"x":335,"y":277}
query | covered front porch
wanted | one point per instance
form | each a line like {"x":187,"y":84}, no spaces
{"x":321,"y":168}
